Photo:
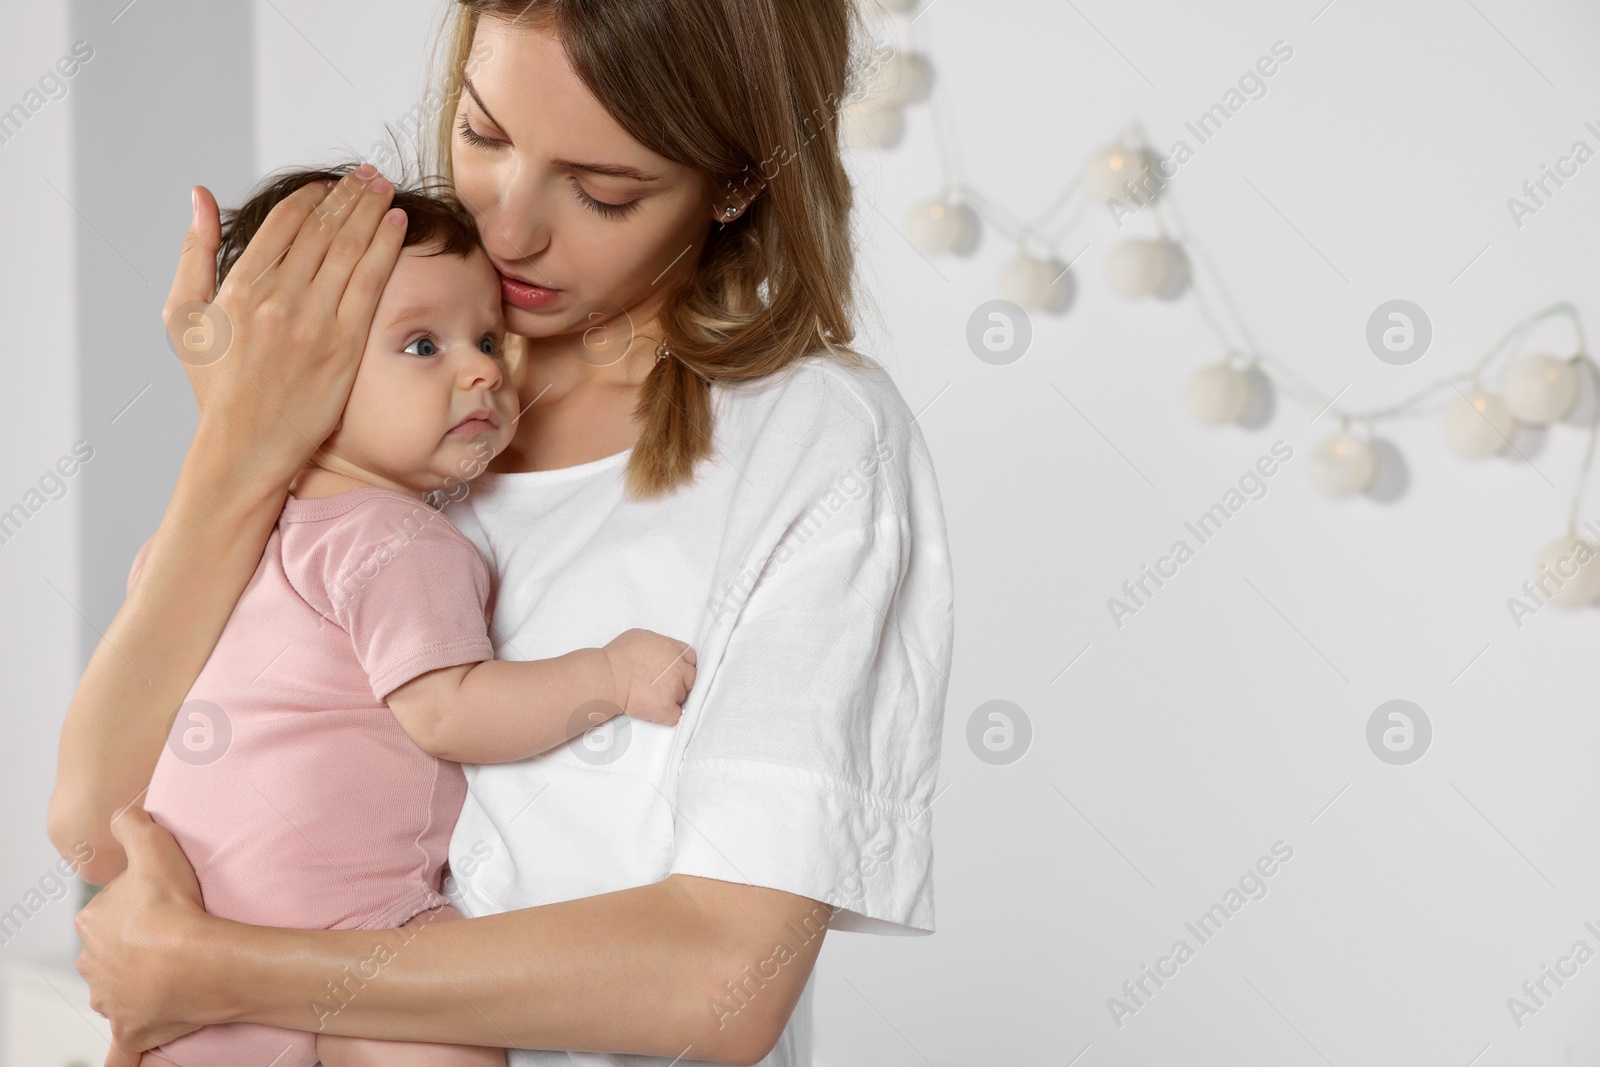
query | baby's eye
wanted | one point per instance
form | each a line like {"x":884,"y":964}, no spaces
{"x":422,"y":346}
{"x":486,"y":346}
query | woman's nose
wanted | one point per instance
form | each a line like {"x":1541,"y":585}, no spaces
{"x":516,"y":232}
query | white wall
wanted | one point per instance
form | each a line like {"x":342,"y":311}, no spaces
{"x":1208,"y":727}
{"x":1227,"y":714}
{"x":39,"y":626}
{"x":352,"y":78}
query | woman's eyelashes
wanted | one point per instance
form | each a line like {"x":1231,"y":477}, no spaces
{"x":473,"y":137}
{"x":599,"y":207}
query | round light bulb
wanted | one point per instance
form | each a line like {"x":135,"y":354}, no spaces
{"x":903,"y":78}
{"x":1478,"y":424}
{"x":937,"y":227}
{"x":1570,"y":569}
{"x":1141,"y":267}
{"x":1109,"y":171}
{"x":1540,"y":389}
{"x":1342,"y":465}
{"x":1218,"y":394}
{"x":1036,"y":284}
{"x":868,"y":125}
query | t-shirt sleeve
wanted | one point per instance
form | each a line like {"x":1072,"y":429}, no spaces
{"x":814,"y":759}
{"x":408,"y":587}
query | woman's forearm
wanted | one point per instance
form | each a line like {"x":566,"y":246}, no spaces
{"x":203,"y":554}
{"x":683,"y":967}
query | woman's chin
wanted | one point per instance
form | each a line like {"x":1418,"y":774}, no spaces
{"x":536,"y":322}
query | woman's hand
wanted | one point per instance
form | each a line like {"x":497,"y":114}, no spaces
{"x":271,"y":356}
{"x":142,"y":935}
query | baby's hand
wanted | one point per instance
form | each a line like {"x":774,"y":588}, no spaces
{"x":652,"y":674}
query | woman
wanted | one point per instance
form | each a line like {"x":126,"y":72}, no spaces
{"x":660,"y":187}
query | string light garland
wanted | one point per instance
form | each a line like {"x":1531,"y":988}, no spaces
{"x":1480,"y":419}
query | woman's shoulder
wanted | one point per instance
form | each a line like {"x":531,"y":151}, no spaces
{"x":815,"y":366}
{"x":819,"y":402}
{"x":820,"y":420}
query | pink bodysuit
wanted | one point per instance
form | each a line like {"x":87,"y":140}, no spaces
{"x":288,"y":782}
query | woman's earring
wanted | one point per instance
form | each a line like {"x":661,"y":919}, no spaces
{"x":662,"y":351}
{"x":730,"y":212}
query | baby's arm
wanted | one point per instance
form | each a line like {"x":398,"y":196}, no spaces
{"x":503,"y":710}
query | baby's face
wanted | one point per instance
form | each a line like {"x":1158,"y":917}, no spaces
{"x":430,"y":405}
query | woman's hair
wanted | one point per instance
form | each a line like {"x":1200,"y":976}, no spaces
{"x":433,"y":216}
{"x":748,"y":93}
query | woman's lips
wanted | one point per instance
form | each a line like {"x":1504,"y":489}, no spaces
{"x":521,"y":294}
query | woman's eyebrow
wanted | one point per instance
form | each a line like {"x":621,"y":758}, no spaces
{"x":615,"y":170}
{"x":471,"y":89}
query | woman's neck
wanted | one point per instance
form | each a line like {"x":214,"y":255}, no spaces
{"x":604,"y":359}
{"x":576,"y":397}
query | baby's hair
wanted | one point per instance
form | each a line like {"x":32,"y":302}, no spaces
{"x":433,"y":214}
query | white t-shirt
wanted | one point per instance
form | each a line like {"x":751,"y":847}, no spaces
{"x":809,"y":568}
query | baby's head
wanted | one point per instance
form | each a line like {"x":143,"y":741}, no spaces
{"x":430,"y":405}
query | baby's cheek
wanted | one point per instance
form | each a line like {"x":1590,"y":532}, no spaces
{"x":508,"y":430}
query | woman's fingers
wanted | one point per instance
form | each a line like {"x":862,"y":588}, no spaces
{"x":133,"y":933}
{"x":371,"y":273}
{"x":276,"y":234}
{"x":341,"y":225}
{"x":153,"y":853}
{"x":195,"y":282}
{"x":196,"y":278}
{"x":360,"y":227}
{"x":133,"y":827}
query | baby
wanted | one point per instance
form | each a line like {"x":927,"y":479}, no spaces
{"x":312,"y":775}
